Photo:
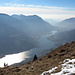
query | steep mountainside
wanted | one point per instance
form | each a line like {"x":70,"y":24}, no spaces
{"x":49,"y":61}
{"x":63,"y":37}
{"x":15,"y":35}
{"x":35,"y":23}
{"x":13,"y":40}
{"x":20,"y":33}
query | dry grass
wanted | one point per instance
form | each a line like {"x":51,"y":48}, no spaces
{"x":49,"y":61}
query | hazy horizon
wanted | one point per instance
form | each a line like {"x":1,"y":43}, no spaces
{"x":55,"y":9}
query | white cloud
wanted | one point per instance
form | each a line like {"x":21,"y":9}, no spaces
{"x":29,"y":10}
{"x":57,"y":16}
{"x":14,"y":4}
{"x":43,"y":11}
{"x":33,"y":6}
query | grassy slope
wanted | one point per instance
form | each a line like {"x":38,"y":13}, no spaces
{"x":49,"y":61}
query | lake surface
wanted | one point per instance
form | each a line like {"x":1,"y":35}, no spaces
{"x":44,"y":44}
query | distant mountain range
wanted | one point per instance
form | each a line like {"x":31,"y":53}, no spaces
{"x":52,"y":21}
{"x":67,"y":24}
{"x":19,"y":33}
{"x":34,"y":24}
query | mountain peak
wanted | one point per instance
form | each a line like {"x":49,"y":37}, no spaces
{"x":4,"y":14}
{"x":69,"y":19}
{"x":28,"y":16}
{"x":18,"y":15}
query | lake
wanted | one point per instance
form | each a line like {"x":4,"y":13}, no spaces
{"x":44,"y":44}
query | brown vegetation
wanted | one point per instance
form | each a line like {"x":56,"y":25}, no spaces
{"x":38,"y":66}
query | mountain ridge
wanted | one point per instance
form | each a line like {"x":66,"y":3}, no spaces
{"x":67,"y":24}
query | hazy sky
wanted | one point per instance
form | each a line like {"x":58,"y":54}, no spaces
{"x":56,"y":9}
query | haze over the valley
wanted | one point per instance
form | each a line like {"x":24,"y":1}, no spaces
{"x":34,"y":27}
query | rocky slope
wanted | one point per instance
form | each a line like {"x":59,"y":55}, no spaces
{"x":45,"y":63}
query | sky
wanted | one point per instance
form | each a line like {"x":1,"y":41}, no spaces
{"x":55,"y":9}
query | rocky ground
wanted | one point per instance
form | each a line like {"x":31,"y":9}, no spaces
{"x":45,"y":63}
